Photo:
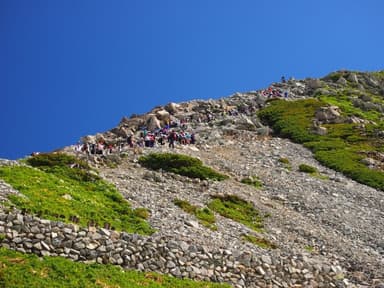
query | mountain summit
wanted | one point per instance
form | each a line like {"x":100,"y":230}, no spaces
{"x":280,"y":187}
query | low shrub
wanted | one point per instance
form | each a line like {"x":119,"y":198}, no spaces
{"x":28,"y":270}
{"x":204,"y":215}
{"x":252,"y":181}
{"x":180,"y":164}
{"x":64,"y":165}
{"x":284,"y":161}
{"x":307,"y":169}
{"x":96,"y":202}
{"x":237,"y":209}
{"x":341,"y":148}
{"x":142,"y":213}
{"x":260,"y":242}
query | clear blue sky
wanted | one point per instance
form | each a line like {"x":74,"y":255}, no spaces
{"x":70,"y":68}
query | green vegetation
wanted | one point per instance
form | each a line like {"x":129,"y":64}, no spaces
{"x":286,"y":163}
{"x":56,"y":191}
{"x":64,"y":165}
{"x":204,"y":215}
{"x":342,"y":148}
{"x":19,"y":270}
{"x":309,"y":248}
{"x":260,"y":242}
{"x":292,"y":119}
{"x":379,"y":74}
{"x":180,"y":164}
{"x":307,"y":169}
{"x":237,"y":209}
{"x":252,"y":181}
{"x":312,"y":171}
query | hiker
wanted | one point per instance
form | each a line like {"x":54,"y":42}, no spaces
{"x":171,"y":139}
{"x":130,"y":140}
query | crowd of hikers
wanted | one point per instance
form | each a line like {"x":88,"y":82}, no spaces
{"x":145,"y":138}
{"x":175,"y":133}
{"x":274,"y":93}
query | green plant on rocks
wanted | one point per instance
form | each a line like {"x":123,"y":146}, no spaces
{"x":307,"y":169}
{"x":343,"y":147}
{"x":63,"y":189}
{"x":258,"y":241}
{"x":27,"y":270}
{"x":204,"y":215}
{"x":237,"y":209}
{"x":285,"y":162}
{"x":180,"y":164}
{"x":253,"y":181}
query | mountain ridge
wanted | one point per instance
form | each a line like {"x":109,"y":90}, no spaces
{"x":322,"y":220}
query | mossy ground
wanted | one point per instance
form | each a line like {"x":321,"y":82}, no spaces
{"x":342,"y":148}
{"x":260,"y":242}
{"x":253,"y":181}
{"x":19,"y":270}
{"x":57,"y":190}
{"x":237,"y":209}
{"x":204,"y":215}
{"x":180,"y":164}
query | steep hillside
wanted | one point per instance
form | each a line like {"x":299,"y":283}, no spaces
{"x":282,"y":187}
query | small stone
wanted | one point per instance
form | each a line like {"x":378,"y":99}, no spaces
{"x":92,"y":246}
{"x":45,"y":246}
{"x":171,"y":264}
{"x":266,"y":259}
{"x":260,"y":270}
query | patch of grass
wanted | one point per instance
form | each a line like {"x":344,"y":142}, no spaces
{"x":286,"y":163}
{"x":252,"y":181}
{"x":348,"y":108}
{"x":379,"y":75}
{"x":237,"y":209}
{"x":64,"y":165}
{"x":292,"y":119}
{"x":19,"y":270}
{"x":204,"y":215}
{"x":312,"y":171}
{"x":180,"y":164}
{"x":342,"y":149}
{"x":309,"y":249}
{"x":142,"y":213}
{"x":260,"y":242}
{"x":57,"y":193}
{"x":307,"y":169}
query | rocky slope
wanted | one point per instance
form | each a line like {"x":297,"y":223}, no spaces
{"x":329,"y":227}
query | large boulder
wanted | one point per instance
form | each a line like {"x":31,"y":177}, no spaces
{"x":341,"y":81}
{"x":353,"y":78}
{"x":329,"y":114}
{"x":244,"y":123}
{"x":314,"y":84}
{"x":153,"y":123}
{"x":121,"y":131}
{"x":88,"y":139}
{"x":162,"y":115}
{"x":172,"y":108}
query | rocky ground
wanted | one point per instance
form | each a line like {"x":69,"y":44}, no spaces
{"x":326,"y":217}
